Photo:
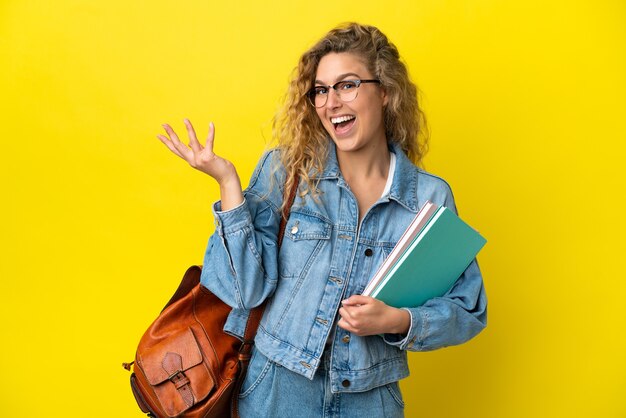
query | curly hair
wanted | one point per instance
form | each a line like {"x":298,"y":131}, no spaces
{"x":301,"y":137}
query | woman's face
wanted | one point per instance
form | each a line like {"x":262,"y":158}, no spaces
{"x":357,"y":125}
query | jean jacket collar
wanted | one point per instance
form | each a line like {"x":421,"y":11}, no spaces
{"x":404,"y":184}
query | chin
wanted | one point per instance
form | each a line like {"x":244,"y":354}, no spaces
{"x":346,"y":144}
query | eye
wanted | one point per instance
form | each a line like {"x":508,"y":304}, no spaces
{"x":320,"y":91}
{"x":346,"y":85}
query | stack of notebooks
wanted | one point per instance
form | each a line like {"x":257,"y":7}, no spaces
{"x":430,"y":256}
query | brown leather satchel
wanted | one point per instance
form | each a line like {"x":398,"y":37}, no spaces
{"x":186,"y":365}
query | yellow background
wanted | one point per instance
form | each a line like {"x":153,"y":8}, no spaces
{"x":525,"y":101}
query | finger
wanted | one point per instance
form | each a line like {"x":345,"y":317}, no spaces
{"x":184,"y":151}
{"x":356,"y":300}
{"x":210,"y":137}
{"x":343,"y":324}
{"x":170,"y":132}
{"x":345,"y":314}
{"x":350,"y":327}
{"x":193,"y":140}
{"x":169,"y":145}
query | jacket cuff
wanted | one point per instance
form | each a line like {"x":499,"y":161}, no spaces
{"x":408,"y":341}
{"x":231,"y":220}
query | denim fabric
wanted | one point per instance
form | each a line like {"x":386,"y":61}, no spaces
{"x":326,"y":256}
{"x":270,"y":390}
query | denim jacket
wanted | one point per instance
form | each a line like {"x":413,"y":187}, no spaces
{"x":326,"y":257}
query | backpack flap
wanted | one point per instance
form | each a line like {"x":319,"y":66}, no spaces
{"x":176,"y":372}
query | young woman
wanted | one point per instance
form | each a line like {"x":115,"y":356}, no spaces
{"x":350,"y":132}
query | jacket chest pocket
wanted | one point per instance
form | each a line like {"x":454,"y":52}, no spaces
{"x":305,"y":237}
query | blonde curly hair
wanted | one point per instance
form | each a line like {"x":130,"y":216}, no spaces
{"x":301,"y":137}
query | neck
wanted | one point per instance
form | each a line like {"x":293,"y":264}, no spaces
{"x":366,"y":163}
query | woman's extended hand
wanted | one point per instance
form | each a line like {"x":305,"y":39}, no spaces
{"x":364,"y":315}
{"x":204,"y":159}
{"x":199,"y":157}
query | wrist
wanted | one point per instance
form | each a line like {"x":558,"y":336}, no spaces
{"x":402,"y":321}
{"x":231,"y":193}
{"x":230,"y":181}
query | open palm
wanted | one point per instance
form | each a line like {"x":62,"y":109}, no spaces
{"x":199,"y":157}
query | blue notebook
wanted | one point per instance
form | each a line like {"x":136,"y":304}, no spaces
{"x":432,"y":263}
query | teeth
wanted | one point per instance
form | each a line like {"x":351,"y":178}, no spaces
{"x":341,"y":119}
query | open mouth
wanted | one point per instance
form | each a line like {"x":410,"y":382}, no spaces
{"x":342,"y":124}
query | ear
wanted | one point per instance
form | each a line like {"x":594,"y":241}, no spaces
{"x":384,"y":96}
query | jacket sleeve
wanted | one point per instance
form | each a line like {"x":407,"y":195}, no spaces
{"x":452,"y":319}
{"x":241,"y":260}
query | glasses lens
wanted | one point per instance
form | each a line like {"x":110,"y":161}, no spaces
{"x":318,"y":96}
{"x":347,"y":90}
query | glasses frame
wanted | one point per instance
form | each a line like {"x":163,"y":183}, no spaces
{"x":311,"y":93}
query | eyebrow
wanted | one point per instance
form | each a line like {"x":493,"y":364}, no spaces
{"x":339,"y":77}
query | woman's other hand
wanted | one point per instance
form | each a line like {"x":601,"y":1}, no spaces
{"x":205,"y":160}
{"x":364,"y":315}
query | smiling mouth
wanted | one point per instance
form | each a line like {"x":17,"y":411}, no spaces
{"x":343,"y":124}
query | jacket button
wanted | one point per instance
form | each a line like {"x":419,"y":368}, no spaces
{"x":345,"y":383}
{"x":336,"y":280}
{"x":322,"y":320}
{"x":369,"y":252}
{"x":346,"y":339}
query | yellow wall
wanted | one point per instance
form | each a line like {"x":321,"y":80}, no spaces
{"x":98,"y":220}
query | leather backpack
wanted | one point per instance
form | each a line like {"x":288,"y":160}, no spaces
{"x":186,"y":365}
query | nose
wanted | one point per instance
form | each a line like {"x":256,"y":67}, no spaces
{"x":333,"y":101}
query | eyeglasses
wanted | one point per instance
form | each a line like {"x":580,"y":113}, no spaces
{"x":346,"y":90}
